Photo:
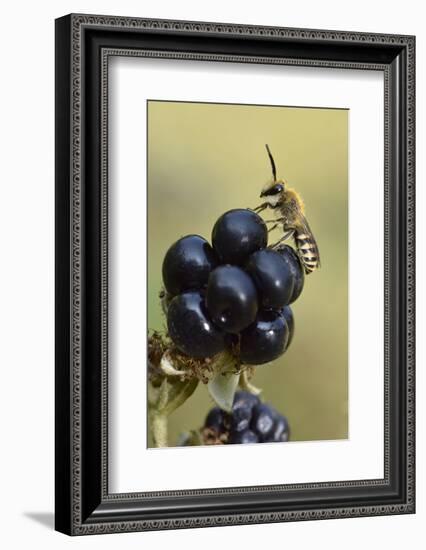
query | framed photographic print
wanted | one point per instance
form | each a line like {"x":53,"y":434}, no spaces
{"x":234,"y":274}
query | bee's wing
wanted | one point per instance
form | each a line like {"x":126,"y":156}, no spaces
{"x":304,"y":228}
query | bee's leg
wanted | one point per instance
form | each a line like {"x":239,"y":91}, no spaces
{"x":283,"y":238}
{"x":276,"y":220}
{"x":261,"y":207}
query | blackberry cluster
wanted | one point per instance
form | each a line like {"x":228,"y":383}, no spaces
{"x":234,"y":293}
{"x":250,"y":421}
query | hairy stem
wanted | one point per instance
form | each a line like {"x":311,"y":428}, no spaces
{"x":159,"y":428}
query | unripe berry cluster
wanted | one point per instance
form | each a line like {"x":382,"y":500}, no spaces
{"x":234,"y":293}
{"x":250,"y":421}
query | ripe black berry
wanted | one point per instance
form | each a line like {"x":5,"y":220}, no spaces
{"x":287,"y":313}
{"x":231,"y":298}
{"x":244,"y":398}
{"x":280,"y":431}
{"x":244,"y":437}
{"x":264,"y":340}
{"x":190,"y":327}
{"x":240,"y":418}
{"x":214,"y":419}
{"x":262,"y":422}
{"x":296,"y":269}
{"x":237,"y":234}
{"x":187,"y":264}
{"x":249,"y":422}
{"x":242,"y":408}
{"x":273,"y":278}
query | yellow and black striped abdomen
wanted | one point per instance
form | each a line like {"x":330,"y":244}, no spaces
{"x":308,"y":250}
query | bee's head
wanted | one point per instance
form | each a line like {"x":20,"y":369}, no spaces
{"x":273,"y":190}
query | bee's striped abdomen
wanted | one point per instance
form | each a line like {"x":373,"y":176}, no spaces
{"x":308,"y":251}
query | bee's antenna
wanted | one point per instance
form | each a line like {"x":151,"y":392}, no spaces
{"x":271,"y":158}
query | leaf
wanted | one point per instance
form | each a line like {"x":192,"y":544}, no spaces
{"x":178,"y":392}
{"x":222,"y":388}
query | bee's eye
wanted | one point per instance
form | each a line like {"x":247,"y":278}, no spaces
{"x":274,"y":190}
{"x":278,"y":188}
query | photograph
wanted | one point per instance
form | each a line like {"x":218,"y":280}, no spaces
{"x":247,"y":286}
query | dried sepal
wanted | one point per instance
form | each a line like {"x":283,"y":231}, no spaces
{"x":157,"y":345}
{"x":210,"y":436}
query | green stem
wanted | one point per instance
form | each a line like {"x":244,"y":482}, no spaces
{"x":159,"y":428}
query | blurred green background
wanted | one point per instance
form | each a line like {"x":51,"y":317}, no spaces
{"x":204,"y":159}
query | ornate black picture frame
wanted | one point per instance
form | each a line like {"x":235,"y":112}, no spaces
{"x":84,"y":44}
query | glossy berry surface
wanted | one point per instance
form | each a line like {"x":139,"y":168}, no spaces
{"x":190,"y":327}
{"x":250,"y":421}
{"x":231,"y":298}
{"x":265,"y":339}
{"x":187,"y":264}
{"x":293,"y":261}
{"x":237,"y":234}
{"x":273,"y":278}
{"x":287,"y":313}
